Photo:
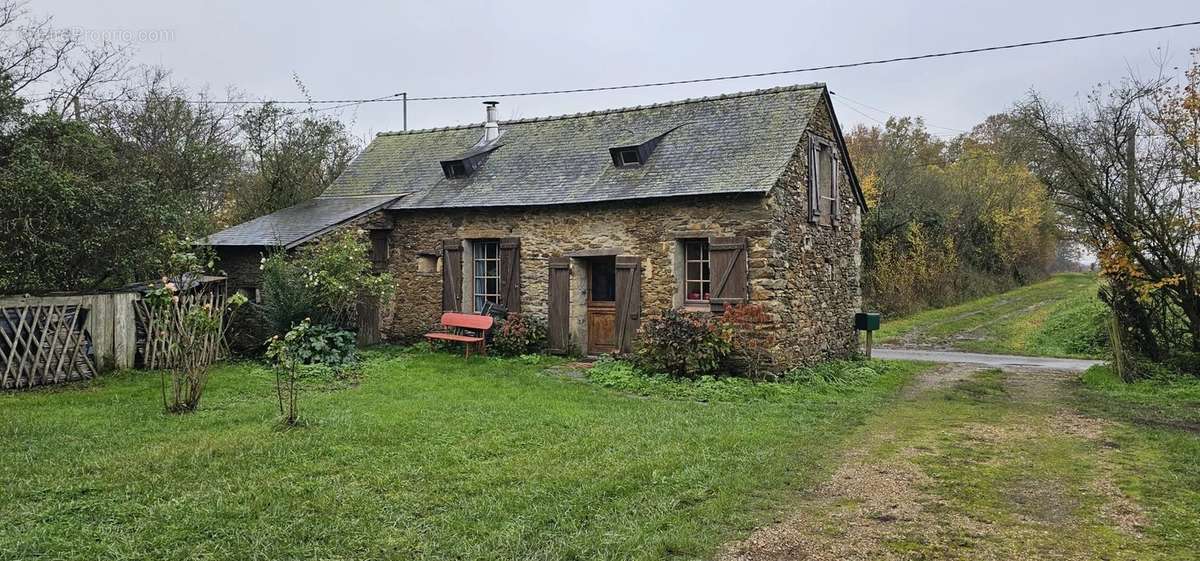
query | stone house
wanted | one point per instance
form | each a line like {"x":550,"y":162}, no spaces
{"x":597,"y":219}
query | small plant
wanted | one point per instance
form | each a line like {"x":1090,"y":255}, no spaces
{"x":325,"y":344}
{"x":518,"y":335}
{"x":683,"y":344}
{"x":282,"y":352}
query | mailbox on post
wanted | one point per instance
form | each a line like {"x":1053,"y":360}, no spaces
{"x":869,"y":322}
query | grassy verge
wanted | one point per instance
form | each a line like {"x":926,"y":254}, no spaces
{"x":1002,"y":468}
{"x":1058,"y":317}
{"x":1157,"y":428}
{"x":430,"y":457}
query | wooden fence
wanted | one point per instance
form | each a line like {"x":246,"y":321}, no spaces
{"x":52,"y":339}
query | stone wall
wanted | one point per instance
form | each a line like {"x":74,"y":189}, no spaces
{"x":648,"y":229}
{"x":817,"y":286}
{"x":241,"y":265}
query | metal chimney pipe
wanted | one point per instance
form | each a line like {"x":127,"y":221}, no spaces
{"x":491,"y":128}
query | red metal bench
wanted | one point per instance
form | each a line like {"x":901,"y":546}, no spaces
{"x":460,"y":329}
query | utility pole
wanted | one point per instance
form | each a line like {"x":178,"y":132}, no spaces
{"x":404,"y":103}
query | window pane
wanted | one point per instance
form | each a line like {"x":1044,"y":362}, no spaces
{"x":695,"y":291}
{"x":704,"y":271}
{"x":693,"y":250}
{"x":693,"y":270}
{"x":493,"y":269}
{"x":703,"y":250}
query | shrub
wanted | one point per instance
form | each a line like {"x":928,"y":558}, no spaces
{"x":518,"y":335}
{"x":324,"y":344}
{"x":188,"y":328}
{"x":683,"y":344}
{"x":286,"y":299}
{"x":249,"y":328}
{"x":324,"y":280}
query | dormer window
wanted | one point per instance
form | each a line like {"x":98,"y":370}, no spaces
{"x":634,"y":151}
{"x":454,"y":169}
{"x":468,"y":163}
{"x":627,"y":157}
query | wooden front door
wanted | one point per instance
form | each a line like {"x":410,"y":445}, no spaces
{"x":602,"y":305}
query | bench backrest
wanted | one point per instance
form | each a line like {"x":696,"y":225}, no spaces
{"x":467,"y":321}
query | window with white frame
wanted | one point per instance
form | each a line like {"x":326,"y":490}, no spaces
{"x":486,"y":256}
{"x":696,"y":277}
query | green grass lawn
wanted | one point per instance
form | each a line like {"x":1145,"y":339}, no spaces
{"x":430,"y":457}
{"x":1060,"y":317}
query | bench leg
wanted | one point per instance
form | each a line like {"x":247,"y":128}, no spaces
{"x":466,"y":350}
{"x":483,"y":348}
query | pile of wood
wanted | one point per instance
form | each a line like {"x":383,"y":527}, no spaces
{"x":43,"y":344}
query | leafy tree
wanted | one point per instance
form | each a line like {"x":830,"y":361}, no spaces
{"x":186,"y":147}
{"x":289,"y":157}
{"x":73,"y":217}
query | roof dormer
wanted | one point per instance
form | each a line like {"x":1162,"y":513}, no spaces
{"x":629,"y":154}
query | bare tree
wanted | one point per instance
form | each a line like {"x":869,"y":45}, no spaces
{"x":1127,"y":178}
{"x":52,"y":66}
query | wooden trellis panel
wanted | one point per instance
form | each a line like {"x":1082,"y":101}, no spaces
{"x":43,"y":344}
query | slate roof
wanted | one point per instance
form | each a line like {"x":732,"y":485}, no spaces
{"x":735,"y":143}
{"x":297,"y":224}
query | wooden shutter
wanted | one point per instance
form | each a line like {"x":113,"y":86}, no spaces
{"x":510,"y":274}
{"x":629,"y":301}
{"x":729,"y":268}
{"x":837,"y":201}
{"x":379,"y":249}
{"x":560,"y":304}
{"x":814,"y":172}
{"x":452,"y":253}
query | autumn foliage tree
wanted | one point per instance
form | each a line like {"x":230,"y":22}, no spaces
{"x":950,"y":219}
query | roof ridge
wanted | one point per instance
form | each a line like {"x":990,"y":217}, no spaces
{"x":748,"y":93}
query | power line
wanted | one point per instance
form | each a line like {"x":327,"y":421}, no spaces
{"x":397,"y":96}
{"x":889,"y":114}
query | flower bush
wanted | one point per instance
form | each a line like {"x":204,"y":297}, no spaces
{"x":692,"y":344}
{"x":324,"y":280}
{"x":189,"y":328}
{"x":683,"y":344}
{"x":518,"y":335}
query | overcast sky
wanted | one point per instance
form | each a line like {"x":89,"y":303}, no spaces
{"x":371,"y":49}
